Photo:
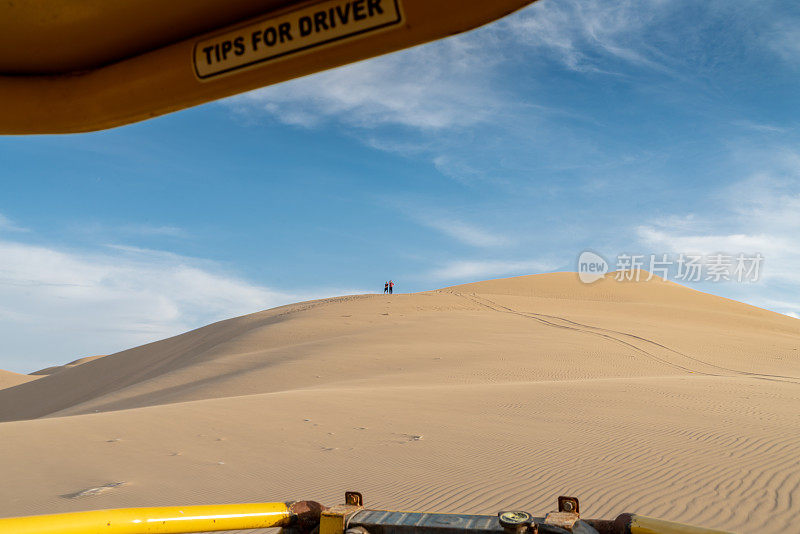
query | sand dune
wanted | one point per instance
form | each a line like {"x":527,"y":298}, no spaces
{"x":58,"y":368}
{"x":646,"y":397}
{"x":9,"y":379}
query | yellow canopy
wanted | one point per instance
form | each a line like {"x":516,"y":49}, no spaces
{"x":82,"y":65}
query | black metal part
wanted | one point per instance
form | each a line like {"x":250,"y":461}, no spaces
{"x":514,"y":518}
{"x":387,"y":522}
{"x":515,"y":522}
{"x":623,"y":523}
{"x":305,"y":517}
{"x":604,"y":526}
{"x":544,"y":528}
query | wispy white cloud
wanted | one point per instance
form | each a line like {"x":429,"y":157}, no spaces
{"x":784,"y":39}
{"x":579,"y":32}
{"x":154,"y":230}
{"x":683,"y":222}
{"x":482,"y":269}
{"x":761,"y":127}
{"x":457,"y":169}
{"x":760,"y":214}
{"x":432,"y":87}
{"x":451,"y":83}
{"x":8,"y":225}
{"x":60,"y":304}
{"x":463,"y":232}
{"x":99,"y":231}
{"x":690,"y":243}
{"x":452,"y":225}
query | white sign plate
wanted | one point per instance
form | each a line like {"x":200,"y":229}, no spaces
{"x":310,"y":27}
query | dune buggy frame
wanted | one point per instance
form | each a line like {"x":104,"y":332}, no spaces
{"x":310,"y":517}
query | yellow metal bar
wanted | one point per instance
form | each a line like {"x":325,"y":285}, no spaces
{"x":162,"y":520}
{"x":648,"y":525}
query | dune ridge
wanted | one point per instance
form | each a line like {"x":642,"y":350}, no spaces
{"x":9,"y":379}
{"x":634,"y":396}
{"x":58,"y":368}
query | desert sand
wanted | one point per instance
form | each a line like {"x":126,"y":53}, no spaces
{"x":9,"y":379}
{"x":643,"y":397}
{"x":58,"y":368}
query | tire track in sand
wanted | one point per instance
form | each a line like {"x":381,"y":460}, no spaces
{"x":614,"y":336}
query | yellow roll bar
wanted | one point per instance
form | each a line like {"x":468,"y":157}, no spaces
{"x":160,"y":520}
{"x":304,"y":517}
{"x":648,"y":525}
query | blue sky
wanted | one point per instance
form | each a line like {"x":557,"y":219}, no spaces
{"x":642,"y":127}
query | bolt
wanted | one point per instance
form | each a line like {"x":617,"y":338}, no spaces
{"x":569,"y":506}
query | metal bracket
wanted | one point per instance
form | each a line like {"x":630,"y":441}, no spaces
{"x":353,"y":498}
{"x":569,"y":504}
{"x":567,"y":514}
{"x":335,"y":520}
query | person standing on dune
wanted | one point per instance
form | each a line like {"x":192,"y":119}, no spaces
{"x":385,"y":288}
{"x":391,"y":287}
